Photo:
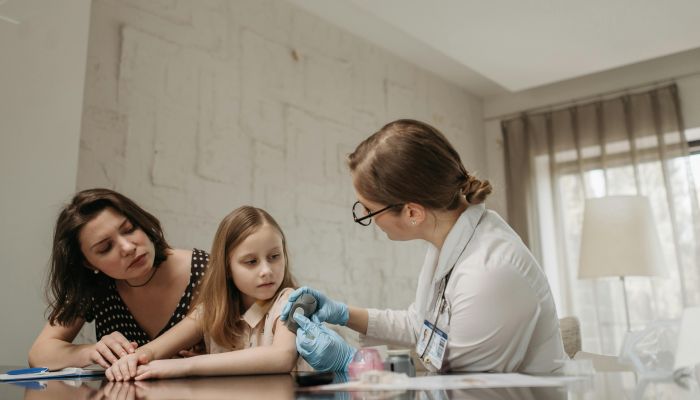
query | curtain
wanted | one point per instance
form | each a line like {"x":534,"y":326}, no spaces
{"x":630,"y":145}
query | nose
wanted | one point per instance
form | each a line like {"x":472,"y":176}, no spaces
{"x":126,"y":246}
{"x":265,"y":269}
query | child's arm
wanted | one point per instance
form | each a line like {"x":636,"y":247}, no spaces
{"x":184,"y":335}
{"x":279,"y":357}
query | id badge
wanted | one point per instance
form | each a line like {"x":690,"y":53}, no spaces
{"x":424,"y":336}
{"x":432,"y":343}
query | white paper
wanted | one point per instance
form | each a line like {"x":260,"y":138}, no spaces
{"x":451,"y":382}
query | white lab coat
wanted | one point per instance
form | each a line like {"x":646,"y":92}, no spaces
{"x":502,"y":315}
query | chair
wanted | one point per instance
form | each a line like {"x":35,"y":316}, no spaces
{"x":570,"y":329}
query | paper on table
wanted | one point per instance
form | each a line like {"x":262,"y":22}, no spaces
{"x":450,"y":382}
{"x":62,"y":373}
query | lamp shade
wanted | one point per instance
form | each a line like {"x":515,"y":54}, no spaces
{"x":619,"y":239}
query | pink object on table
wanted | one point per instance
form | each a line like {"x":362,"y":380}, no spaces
{"x":365,"y":360}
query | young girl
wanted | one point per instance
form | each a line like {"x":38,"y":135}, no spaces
{"x":236,"y":310}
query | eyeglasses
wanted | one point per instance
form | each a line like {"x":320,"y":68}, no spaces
{"x":366,"y":215}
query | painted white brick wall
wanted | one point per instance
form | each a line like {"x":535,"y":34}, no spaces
{"x":194,"y":108}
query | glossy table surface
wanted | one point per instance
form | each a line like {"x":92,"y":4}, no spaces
{"x":601,"y":386}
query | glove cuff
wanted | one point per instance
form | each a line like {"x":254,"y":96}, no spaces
{"x":344,"y":315}
{"x":348,"y":360}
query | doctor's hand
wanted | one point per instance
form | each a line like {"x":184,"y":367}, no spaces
{"x":321,"y":347}
{"x":327,"y":310}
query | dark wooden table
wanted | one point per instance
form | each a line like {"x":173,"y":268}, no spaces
{"x":600,"y":386}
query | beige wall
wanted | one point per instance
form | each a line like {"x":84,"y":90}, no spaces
{"x":199,"y":108}
{"x":42,"y":72}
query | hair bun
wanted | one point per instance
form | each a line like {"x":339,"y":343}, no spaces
{"x":476,"y":190}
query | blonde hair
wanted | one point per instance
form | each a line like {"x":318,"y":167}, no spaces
{"x":219,"y":298}
{"x":411,"y":161}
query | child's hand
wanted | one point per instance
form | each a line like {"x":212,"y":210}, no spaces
{"x":159,"y":369}
{"x":125,"y":368}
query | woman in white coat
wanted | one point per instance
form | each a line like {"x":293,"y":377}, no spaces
{"x":482,"y":304}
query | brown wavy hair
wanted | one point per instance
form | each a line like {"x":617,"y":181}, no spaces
{"x":72,"y":288}
{"x":218,"y":297}
{"x":411,"y":161}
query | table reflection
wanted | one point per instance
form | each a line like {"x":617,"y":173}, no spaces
{"x":252,"y":387}
{"x":247,"y":387}
{"x":600,"y":386}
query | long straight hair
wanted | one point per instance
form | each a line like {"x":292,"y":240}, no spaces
{"x":218,"y":297}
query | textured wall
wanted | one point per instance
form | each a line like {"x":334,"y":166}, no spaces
{"x":42,"y":72}
{"x":193,"y":108}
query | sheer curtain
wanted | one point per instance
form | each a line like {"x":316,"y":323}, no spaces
{"x":634,"y":144}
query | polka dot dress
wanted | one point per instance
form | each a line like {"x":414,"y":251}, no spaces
{"x":111,"y":314}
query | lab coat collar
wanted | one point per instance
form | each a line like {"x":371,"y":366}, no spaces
{"x":457,"y":239}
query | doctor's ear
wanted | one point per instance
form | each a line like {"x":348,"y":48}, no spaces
{"x":415,"y":213}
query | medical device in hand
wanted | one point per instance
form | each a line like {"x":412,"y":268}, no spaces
{"x":306,"y":305}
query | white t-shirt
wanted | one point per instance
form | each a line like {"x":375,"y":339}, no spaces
{"x":502,"y":316}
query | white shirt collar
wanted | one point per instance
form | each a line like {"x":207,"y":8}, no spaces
{"x":457,"y":239}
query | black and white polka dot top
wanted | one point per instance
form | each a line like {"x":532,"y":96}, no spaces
{"x":111,"y":314}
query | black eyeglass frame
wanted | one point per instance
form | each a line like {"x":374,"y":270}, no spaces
{"x":371,"y":214}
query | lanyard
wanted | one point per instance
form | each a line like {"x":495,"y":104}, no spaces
{"x":442,"y":302}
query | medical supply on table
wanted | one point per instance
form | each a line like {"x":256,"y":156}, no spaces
{"x":307,"y":378}
{"x":366,"y":359}
{"x":400,"y":361}
{"x":304,"y":304}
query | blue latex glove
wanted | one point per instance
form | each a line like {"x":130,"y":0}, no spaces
{"x":327,"y":310}
{"x":321,"y":347}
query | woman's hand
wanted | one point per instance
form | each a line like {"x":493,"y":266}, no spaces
{"x":110,"y":349}
{"x":160,"y":369}
{"x":327,"y":310}
{"x":126,"y":367}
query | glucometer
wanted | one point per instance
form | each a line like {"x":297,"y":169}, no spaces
{"x":304,"y":304}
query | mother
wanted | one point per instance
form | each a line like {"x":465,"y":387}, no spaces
{"x":110,"y":263}
{"x":482,"y":303}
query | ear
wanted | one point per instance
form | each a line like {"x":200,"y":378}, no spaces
{"x":87,"y":265}
{"x":414,"y":212}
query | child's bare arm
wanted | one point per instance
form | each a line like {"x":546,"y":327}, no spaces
{"x":184,"y":335}
{"x":279,"y":357}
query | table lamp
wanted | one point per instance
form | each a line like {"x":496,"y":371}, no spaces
{"x":619,"y":239}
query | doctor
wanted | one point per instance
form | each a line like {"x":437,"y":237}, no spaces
{"x":482,"y":304}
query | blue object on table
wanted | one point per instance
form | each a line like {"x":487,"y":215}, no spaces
{"x":33,"y":385}
{"x":26,"y":374}
{"x":25,"y":371}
